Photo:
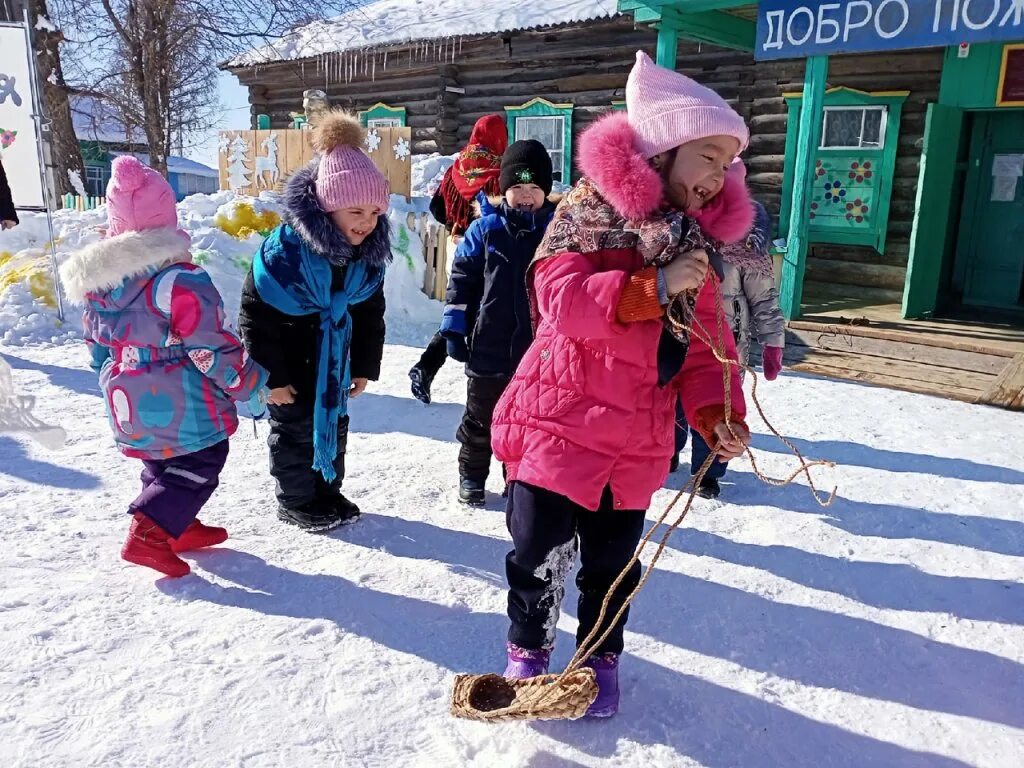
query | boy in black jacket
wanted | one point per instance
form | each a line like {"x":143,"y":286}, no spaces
{"x":487,"y":320}
{"x":312,"y":314}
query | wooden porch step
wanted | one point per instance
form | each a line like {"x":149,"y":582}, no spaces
{"x":909,"y":346}
{"x":831,"y":297}
{"x":858,"y":274}
{"x":921,"y":378}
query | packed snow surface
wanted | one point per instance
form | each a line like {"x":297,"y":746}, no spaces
{"x":885,"y":630}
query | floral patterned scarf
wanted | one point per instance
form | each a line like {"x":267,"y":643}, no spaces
{"x":585,"y":222}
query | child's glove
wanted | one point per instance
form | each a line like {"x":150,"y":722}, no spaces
{"x":771,"y":360}
{"x":256,"y":406}
{"x":453,"y":329}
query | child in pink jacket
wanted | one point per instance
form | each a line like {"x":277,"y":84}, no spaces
{"x":585,"y":427}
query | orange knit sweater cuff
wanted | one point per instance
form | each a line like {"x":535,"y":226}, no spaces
{"x":639,"y":299}
{"x":709,"y":417}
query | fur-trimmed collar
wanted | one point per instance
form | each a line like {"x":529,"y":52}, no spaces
{"x":314,"y":226}
{"x":106,"y":265}
{"x":609,"y":156}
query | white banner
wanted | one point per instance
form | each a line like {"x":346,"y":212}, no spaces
{"x":18,"y":150}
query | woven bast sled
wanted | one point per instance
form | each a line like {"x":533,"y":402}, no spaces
{"x":567,"y":695}
{"x":492,"y":698}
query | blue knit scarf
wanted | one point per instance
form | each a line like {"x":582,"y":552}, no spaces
{"x":296,"y":281}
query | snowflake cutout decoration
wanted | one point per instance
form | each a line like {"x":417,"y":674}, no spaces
{"x":222,"y":144}
{"x":401,"y":149}
{"x":372,"y":140}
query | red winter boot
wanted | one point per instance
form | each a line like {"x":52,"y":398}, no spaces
{"x":197,"y":536}
{"x":148,"y":544}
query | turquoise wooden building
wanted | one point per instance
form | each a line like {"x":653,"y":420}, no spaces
{"x":896,"y":174}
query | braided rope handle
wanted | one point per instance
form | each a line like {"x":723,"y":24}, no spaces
{"x":594,"y":639}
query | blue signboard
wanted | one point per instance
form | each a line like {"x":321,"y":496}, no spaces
{"x":788,"y":29}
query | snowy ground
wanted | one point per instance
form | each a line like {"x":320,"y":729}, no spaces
{"x":886,"y":631}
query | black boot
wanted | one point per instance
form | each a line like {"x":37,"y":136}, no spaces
{"x":421,"y":382}
{"x":673,"y":465}
{"x":315,"y":517}
{"x":471,"y":492}
{"x":347,"y":510}
{"x":709,"y":488}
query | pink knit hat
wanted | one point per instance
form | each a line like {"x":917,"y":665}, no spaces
{"x":346,"y":176}
{"x":138,"y":198}
{"x":667,"y":109}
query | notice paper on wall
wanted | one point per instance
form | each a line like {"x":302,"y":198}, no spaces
{"x":1006,"y":170}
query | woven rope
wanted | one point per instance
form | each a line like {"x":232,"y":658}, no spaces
{"x":567,"y":695}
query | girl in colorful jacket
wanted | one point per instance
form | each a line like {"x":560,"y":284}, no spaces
{"x":585,"y":427}
{"x":169,"y":366}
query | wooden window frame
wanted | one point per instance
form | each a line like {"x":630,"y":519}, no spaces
{"x":382,"y":111}
{"x":543,"y":108}
{"x":883,"y":157}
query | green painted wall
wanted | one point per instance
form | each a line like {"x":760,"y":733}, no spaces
{"x":971,"y":83}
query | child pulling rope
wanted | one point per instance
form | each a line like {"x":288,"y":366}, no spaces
{"x":567,"y":695}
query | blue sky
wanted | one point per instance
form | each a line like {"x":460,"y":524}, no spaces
{"x":235,"y":116}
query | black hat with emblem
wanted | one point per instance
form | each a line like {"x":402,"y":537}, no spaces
{"x":526,"y":162}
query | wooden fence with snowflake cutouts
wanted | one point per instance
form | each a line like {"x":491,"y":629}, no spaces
{"x":250,"y":162}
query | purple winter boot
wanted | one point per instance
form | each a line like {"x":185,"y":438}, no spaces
{"x":523,"y":662}
{"x":606,"y":668}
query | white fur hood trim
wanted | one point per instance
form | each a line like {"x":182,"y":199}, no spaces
{"x":103,"y":266}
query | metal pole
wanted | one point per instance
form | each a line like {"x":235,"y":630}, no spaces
{"x":37,"y":116}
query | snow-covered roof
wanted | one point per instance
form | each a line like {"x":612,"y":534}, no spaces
{"x":177,"y":164}
{"x":389,"y":22}
{"x":95,"y":120}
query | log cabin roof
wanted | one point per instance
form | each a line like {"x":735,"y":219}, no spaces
{"x":393,"y":22}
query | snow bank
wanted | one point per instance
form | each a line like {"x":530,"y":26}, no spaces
{"x":226,"y":230}
{"x":427,"y":172}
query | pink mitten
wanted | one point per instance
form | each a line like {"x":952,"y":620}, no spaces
{"x":771,"y":359}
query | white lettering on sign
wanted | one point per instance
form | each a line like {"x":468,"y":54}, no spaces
{"x":771,"y":18}
{"x":810,"y":25}
{"x":1016,"y":10}
{"x":888,"y":35}
{"x":833,"y":25}
{"x":829,"y":22}
{"x":850,"y":24}
{"x":971,"y":24}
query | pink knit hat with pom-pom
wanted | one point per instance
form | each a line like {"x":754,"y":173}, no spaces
{"x":346,"y":176}
{"x":667,"y":109}
{"x":138,"y":198}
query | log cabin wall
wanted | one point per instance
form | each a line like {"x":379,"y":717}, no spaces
{"x":586,"y":64}
{"x":755,"y":90}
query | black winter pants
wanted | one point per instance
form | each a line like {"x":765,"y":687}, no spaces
{"x":545,"y":529}
{"x":291,"y":455}
{"x":474,"y":432}
{"x":433,"y":356}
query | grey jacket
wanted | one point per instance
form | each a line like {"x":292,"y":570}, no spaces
{"x":748,"y":290}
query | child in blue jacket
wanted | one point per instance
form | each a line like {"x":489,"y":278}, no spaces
{"x":487,"y":320}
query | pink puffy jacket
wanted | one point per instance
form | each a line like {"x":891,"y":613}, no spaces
{"x":584,"y":409}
